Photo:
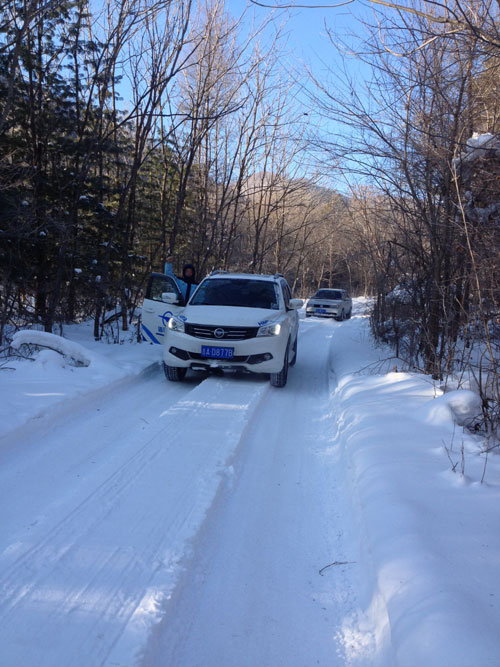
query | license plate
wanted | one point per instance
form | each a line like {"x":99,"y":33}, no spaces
{"x":321,"y":310}
{"x":210,"y":352}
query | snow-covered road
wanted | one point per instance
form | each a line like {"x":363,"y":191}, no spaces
{"x":223,"y":522}
{"x":255,"y":592}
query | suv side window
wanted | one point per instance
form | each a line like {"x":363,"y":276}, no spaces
{"x":158,"y":284}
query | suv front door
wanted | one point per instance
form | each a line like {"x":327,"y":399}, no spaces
{"x":156,"y":312}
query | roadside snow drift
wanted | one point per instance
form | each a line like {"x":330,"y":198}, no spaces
{"x":62,"y":373}
{"x":432,"y":534}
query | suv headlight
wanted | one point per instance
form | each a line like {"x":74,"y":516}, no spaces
{"x":175,"y":325}
{"x":269,"y":330}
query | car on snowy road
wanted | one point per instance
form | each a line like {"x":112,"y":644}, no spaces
{"x":234,"y":321}
{"x":330,"y":303}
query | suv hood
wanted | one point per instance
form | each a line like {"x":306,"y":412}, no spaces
{"x":228,"y":315}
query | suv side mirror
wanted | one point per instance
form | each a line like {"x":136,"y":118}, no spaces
{"x":170,"y":297}
{"x":294,"y":304}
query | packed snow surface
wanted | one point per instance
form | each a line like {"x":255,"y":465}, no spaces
{"x":349,"y":518}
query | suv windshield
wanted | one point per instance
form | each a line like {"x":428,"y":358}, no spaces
{"x":243,"y":292}
{"x":328,"y":294}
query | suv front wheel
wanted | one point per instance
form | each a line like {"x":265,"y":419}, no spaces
{"x":279,"y":379}
{"x":174,"y":373}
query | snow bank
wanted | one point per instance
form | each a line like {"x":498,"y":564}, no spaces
{"x":431,"y":534}
{"x":63,"y":370}
{"x":461,"y":407}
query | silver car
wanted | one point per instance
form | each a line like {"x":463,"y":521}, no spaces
{"x":330,"y":303}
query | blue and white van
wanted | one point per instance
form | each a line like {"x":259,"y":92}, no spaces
{"x":157,"y":308}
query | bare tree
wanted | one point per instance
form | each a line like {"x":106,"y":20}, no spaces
{"x":404,"y":133}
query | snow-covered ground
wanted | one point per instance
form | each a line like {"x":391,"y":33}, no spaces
{"x":346,"y":519}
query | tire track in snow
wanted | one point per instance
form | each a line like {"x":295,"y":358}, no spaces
{"x":114,"y":557}
{"x":83,"y":447}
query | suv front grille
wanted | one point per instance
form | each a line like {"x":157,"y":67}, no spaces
{"x":226,"y":333}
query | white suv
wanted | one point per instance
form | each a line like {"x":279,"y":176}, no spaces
{"x":234,"y":321}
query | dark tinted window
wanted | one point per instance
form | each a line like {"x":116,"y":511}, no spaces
{"x":159,"y":284}
{"x":247,"y":293}
{"x":335,"y":294}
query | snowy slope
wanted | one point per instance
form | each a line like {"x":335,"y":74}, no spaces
{"x":225,"y":522}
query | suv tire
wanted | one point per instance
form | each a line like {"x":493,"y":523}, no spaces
{"x":279,"y":379}
{"x":174,"y":373}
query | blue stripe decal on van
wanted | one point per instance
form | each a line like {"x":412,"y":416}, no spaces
{"x":152,"y":336}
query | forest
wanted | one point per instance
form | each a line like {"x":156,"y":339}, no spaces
{"x":135,"y":129}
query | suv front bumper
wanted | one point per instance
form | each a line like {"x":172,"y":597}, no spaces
{"x":262,"y":354}
{"x":323,"y":311}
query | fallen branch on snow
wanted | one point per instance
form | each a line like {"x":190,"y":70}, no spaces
{"x":43,"y":339}
{"x":337,"y":562}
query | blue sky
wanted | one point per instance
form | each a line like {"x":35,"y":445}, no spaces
{"x":307,"y":37}
{"x":308,"y":43}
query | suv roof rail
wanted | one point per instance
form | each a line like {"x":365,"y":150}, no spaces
{"x":278,"y":275}
{"x":217,"y":271}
